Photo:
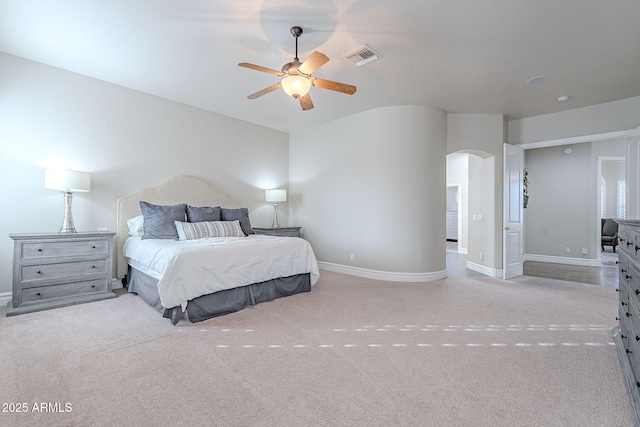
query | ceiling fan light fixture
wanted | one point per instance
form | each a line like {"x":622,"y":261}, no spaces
{"x":296,"y":85}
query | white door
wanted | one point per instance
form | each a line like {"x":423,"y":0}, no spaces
{"x":513,"y":224}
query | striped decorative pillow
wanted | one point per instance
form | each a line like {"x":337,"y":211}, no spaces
{"x":198,"y":230}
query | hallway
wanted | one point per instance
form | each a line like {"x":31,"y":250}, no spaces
{"x":457,"y":263}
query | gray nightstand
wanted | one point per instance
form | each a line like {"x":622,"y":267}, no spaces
{"x":278,"y":231}
{"x":55,"y":270}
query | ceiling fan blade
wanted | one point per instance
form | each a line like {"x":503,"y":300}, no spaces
{"x":264,"y":91}
{"x":338,"y":87}
{"x":305,"y":102}
{"x":260,"y":68}
{"x":312,"y":63}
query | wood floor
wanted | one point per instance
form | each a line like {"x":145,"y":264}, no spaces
{"x":605,"y":275}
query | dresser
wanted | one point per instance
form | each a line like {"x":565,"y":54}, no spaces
{"x":627,"y":334}
{"x":278,"y":231}
{"x":54,"y":270}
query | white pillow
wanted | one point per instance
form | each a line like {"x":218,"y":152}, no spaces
{"x":136,"y":226}
{"x":198,"y":230}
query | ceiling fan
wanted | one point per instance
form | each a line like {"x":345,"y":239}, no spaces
{"x":297,"y":79}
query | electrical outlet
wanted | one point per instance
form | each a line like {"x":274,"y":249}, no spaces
{"x":481,"y":255}
{"x":584,"y":251}
{"x":352,"y":257}
{"x":567,"y":249}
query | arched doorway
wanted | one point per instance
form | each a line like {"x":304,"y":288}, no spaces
{"x":471,"y":177}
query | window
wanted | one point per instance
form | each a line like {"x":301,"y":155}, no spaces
{"x":622,"y":196}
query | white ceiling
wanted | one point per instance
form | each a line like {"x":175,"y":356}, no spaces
{"x":462,"y":56}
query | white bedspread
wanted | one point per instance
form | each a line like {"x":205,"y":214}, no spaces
{"x":191,"y":268}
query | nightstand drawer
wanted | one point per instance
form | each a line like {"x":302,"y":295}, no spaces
{"x":44,"y":249}
{"x":62,"y":270}
{"x":47,"y":293}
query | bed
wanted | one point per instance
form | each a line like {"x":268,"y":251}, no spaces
{"x":213,"y":267}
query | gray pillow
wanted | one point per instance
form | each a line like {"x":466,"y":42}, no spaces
{"x":203,"y":213}
{"x":240,"y":214}
{"x":158,"y":220}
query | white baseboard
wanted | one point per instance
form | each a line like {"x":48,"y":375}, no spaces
{"x":5,"y":297}
{"x":487,"y":271}
{"x":391,"y":276}
{"x":562,"y":260}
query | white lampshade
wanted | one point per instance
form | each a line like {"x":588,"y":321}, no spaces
{"x":276,"y":195}
{"x":67,"y":180}
{"x":296,"y":85}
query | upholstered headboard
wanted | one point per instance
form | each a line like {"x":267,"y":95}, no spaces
{"x":176,"y":190}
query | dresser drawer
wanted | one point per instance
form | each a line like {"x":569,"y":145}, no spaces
{"x":45,"y":249}
{"x":633,"y":283}
{"x":62,"y":270}
{"x":53,"y":270}
{"x":624,"y":327}
{"x":633,"y":321}
{"x":47,"y":293}
{"x":633,"y":245}
{"x":624,"y":293}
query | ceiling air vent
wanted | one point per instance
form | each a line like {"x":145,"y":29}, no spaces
{"x":362,"y":55}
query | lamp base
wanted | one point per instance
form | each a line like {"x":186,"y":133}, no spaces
{"x":67,"y":222}
{"x":275,"y":215}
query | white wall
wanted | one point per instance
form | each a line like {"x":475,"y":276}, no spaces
{"x":597,"y":119}
{"x":373,"y":185}
{"x":482,"y":255}
{"x":127,"y":140}
{"x":562,"y":210}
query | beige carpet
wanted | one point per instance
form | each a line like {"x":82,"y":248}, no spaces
{"x":353,"y":352}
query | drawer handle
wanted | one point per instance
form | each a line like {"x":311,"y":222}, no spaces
{"x":93,"y":266}
{"x":93,"y":247}
{"x":617,"y":290}
{"x":622,"y":270}
{"x":629,"y":243}
{"x":622,"y":336}
{"x":628,"y":351}
{"x":622,"y":240}
{"x":637,"y":338}
{"x":637,"y":247}
{"x":628,"y":314}
{"x":39,"y":272}
{"x":637,"y":292}
{"x":38,"y":294}
{"x":627,"y":276}
{"x":39,"y":249}
{"x":617,"y":318}
{"x":623,"y":303}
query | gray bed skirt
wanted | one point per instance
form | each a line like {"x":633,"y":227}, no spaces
{"x":219,"y":303}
